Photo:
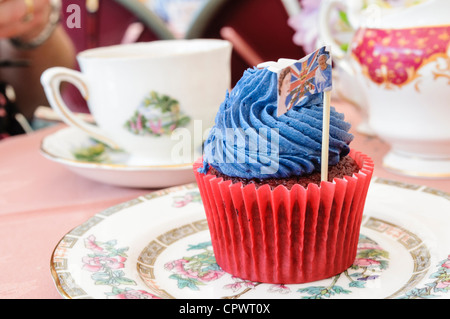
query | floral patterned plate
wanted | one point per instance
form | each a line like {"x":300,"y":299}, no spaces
{"x":91,"y":159}
{"x":158,"y":246}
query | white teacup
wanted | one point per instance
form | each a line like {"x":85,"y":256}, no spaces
{"x":154,"y":100}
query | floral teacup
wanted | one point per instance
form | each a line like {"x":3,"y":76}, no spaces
{"x":153,"y":100}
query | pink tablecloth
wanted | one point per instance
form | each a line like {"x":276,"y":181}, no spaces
{"x":40,"y":201}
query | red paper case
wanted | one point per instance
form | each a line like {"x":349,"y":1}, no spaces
{"x":286,"y":236}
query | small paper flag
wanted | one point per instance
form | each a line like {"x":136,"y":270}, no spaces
{"x":309,"y":75}
{"x":299,"y":79}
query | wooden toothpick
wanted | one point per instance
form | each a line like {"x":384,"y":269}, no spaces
{"x":325,"y":134}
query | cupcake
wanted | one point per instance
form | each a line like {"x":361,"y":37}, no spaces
{"x":270,"y":216}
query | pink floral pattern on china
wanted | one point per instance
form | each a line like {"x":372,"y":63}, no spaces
{"x":106,"y":262}
{"x":393,"y":56}
{"x":192,"y":272}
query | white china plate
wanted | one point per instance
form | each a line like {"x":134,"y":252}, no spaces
{"x":115,"y":168}
{"x":158,"y":246}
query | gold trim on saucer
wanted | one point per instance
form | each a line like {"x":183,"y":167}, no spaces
{"x":412,"y":173}
{"x":109,"y":165}
{"x":417,"y":174}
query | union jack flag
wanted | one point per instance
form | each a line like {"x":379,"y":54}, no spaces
{"x":309,"y":75}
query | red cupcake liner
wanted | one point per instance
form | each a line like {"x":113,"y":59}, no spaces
{"x":286,"y":236}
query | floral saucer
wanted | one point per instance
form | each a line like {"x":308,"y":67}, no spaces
{"x":158,"y":246}
{"x":96,"y":161}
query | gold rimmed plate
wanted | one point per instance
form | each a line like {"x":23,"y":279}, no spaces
{"x":93,"y":160}
{"x":158,"y":246}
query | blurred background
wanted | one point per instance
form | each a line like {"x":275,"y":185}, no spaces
{"x":259,"y":30}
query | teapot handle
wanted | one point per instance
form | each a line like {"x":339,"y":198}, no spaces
{"x":326,"y":9}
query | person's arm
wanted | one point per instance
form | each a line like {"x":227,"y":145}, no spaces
{"x":56,"y":50}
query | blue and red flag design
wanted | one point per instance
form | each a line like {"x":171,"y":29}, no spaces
{"x":307,"y":76}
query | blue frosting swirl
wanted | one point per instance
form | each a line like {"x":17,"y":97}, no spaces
{"x":250,"y":141}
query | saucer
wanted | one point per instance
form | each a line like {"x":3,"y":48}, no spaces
{"x":158,"y":246}
{"x":414,"y":166}
{"x":93,"y":160}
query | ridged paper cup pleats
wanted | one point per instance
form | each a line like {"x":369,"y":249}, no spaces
{"x":286,"y":236}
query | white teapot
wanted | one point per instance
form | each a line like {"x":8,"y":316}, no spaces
{"x":353,"y":15}
{"x":401,"y":63}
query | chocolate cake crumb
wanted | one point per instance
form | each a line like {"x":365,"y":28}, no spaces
{"x":346,"y":167}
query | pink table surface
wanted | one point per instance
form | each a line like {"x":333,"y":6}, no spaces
{"x":41,"y":201}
